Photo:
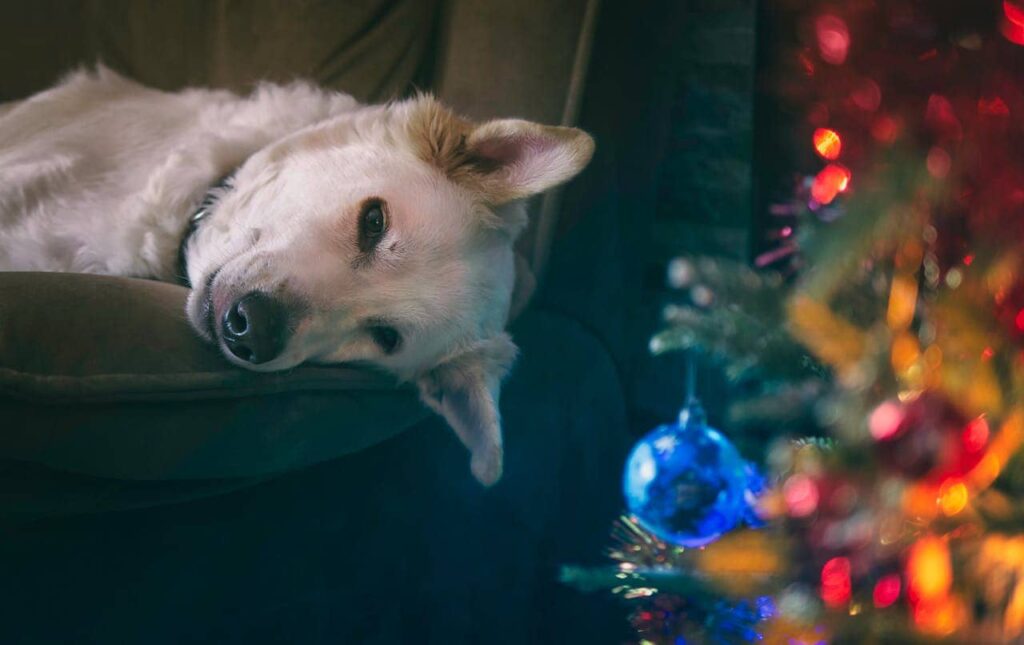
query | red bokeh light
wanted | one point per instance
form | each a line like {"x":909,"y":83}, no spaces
{"x":975,"y":435}
{"x":833,"y":39}
{"x":1012,"y":31}
{"x":1018,"y":320}
{"x":993,"y":107}
{"x":1014,"y":12}
{"x":832,"y":180}
{"x":827,"y":143}
{"x":867,"y":95}
{"x":885,"y":129}
{"x":941,"y":116}
{"x":835,"y":582}
{"x":887,"y":590}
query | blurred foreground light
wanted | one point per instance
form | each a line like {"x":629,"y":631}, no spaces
{"x":1012,"y":31}
{"x":941,"y":617}
{"x":885,"y":129}
{"x":939,"y":162}
{"x":975,"y":435}
{"x":827,"y":143}
{"x":833,"y":39}
{"x":993,"y":107}
{"x":1014,"y":12}
{"x":832,"y":180}
{"x":835,"y":582}
{"x":929,"y":572}
{"x":953,"y":497}
{"x":887,"y":590}
{"x":801,"y":495}
{"x":867,"y":95}
{"x":885,"y":420}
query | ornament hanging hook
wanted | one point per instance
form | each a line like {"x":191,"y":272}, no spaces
{"x":692,"y":411}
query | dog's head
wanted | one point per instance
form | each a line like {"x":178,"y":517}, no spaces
{"x":383,"y":236}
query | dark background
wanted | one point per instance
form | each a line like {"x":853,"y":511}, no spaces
{"x":671,"y":100}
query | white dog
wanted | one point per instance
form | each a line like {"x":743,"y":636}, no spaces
{"x":311,"y":228}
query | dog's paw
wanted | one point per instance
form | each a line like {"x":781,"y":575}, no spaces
{"x":486,"y":465}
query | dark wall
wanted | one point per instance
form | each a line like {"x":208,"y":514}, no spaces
{"x":669,"y":99}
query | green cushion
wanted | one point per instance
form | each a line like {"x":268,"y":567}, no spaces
{"x":103,"y":376}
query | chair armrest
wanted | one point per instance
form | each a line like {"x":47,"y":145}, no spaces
{"x":103,"y":376}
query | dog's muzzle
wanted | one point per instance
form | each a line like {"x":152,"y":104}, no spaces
{"x":255,"y":328}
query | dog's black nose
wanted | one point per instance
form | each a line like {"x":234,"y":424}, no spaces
{"x":254,"y":328}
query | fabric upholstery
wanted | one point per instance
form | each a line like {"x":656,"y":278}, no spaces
{"x":93,"y":360}
{"x":369,"y":48}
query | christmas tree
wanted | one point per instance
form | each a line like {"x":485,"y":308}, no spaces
{"x":884,"y":330}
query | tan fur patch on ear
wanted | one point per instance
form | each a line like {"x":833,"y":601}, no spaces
{"x":499,"y":160}
{"x":438,"y":136}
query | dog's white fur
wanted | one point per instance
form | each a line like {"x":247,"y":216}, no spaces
{"x":100,"y":175}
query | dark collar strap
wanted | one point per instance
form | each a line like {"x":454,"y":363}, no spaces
{"x":205,"y":208}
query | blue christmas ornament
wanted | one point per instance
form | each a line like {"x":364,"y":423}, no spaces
{"x":686,"y":483}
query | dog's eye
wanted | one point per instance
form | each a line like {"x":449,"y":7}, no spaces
{"x":387,"y":338}
{"x":373,"y":224}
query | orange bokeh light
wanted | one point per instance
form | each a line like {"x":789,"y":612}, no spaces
{"x":940,"y":617}
{"x":929,"y":572}
{"x":953,"y":497}
{"x":827,"y":143}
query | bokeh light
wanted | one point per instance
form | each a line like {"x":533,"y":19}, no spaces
{"x":941,"y":617}
{"x":827,"y":143}
{"x":993,"y":107}
{"x":929,"y":572}
{"x":833,"y":39}
{"x":885,"y":129}
{"x":867,"y":95}
{"x":885,"y":420}
{"x":1012,"y":31}
{"x":835,"y":582}
{"x":887,"y":590}
{"x":975,"y":435}
{"x":801,"y":495}
{"x":939,"y":162}
{"x":953,"y":497}
{"x":1014,"y":12}
{"x":832,"y":180}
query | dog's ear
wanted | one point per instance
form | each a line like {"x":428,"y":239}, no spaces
{"x":502,"y":160}
{"x":464,"y":390}
{"x":513,"y":159}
